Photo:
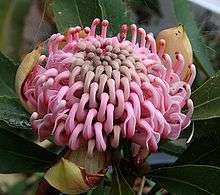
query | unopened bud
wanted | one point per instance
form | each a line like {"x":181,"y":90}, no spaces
{"x":77,"y":171}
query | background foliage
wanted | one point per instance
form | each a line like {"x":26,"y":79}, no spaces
{"x":196,"y":165}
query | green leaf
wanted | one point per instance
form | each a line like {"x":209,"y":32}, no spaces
{"x":12,"y":17}
{"x":170,"y":147}
{"x":145,"y":7}
{"x":188,"y":179}
{"x":17,"y":189}
{"x":116,"y":13}
{"x":202,"y":151}
{"x":207,"y":128}
{"x":206,"y":99}
{"x":202,"y":128}
{"x":75,"y":13}
{"x":119,"y":184}
{"x":184,"y":16}
{"x":25,"y":133}
{"x":13,"y":114}
{"x":81,"y":13}
{"x":99,"y":190}
{"x":20,"y":155}
{"x":7,"y":76}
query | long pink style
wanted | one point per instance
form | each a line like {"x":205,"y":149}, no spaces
{"x":97,"y":89}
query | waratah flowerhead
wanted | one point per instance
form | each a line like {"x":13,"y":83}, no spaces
{"x":95,"y":89}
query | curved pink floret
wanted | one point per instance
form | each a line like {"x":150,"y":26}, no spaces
{"x":98,"y":89}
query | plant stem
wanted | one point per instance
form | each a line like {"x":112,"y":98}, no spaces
{"x":142,"y":186}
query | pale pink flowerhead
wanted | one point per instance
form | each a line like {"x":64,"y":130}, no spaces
{"x":95,"y":89}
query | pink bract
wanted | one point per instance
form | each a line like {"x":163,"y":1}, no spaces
{"x":98,"y":89}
